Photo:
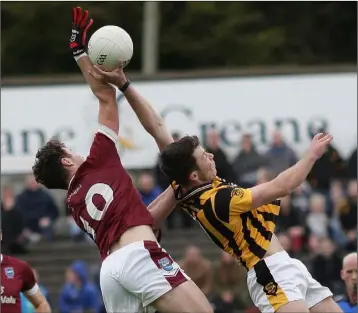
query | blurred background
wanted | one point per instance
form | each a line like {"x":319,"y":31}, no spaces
{"x":255,"y":80}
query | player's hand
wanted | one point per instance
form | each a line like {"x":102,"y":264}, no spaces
{"x":115,"y":77}
{"x":319,"y":145}
{"x":80,"y":25}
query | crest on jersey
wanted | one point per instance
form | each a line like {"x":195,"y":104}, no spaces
{"x":9,"y":272}
{"x":239,"y":192}
{"x":271,"y":289}
{"x":165,"y":264}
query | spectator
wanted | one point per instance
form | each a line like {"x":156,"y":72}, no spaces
{"x":39,"y":210}
{"x":348,"y":302}
{"x":12,"y":224}
{"x":352,"y":165}
{"x":198,"y":269}
{"x":330,"y":166}
{"x":280,"y":155}
{"x":147,"y":188}
{"x":230,"y":275}
{"x":78,"y":295}
{"x":26,"y":305}
{"x":317,"y":219}
{"x":223,"y":167}
{"x":326,"y":264}
{"x":247,"y":163}
{"x":226,"y":302}
{"x":300,"y":197}
{"x":286,"y":242}
{"x":347,"y":210}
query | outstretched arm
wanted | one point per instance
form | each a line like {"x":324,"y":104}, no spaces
{"x":106,"y":94}
{"x":152,"y":122}
{"x":162,"y":206}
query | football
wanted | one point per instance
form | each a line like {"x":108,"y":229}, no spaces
{"x":110,"y":47}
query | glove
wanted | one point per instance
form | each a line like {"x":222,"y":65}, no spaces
{"x":80,"y":25}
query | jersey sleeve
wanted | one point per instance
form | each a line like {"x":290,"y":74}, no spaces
{"x":232,"y":202}
{"x":105,"y":146}
{"x":29,"y":285}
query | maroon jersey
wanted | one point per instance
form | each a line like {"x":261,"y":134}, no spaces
{"x":16,"y":276}
{"x":101,"y":196}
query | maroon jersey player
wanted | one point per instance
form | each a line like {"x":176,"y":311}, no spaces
{"x":16,"y":277}
{"x":136,"y":272}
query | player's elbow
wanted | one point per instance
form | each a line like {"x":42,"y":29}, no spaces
{"x":280,"y":187}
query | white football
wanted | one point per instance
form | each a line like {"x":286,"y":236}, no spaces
{"x":110,"y":47}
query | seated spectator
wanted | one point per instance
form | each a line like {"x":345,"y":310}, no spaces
{"x":12,"y":224}
{"x":225,"y":302}
{"x":223,"y":167}
{"x":348,"y":301}
{"x":280,"y":155}
{"x":247,"y":163}
{"x":78,"y":294}
{"x":352,"y":165}
{"x":300,"y":197}
{"x":26,"y":305}
{"x":198,"y":269}
{"x":147,"y":188}
{"x":347,"y":211}
{"x":230,"y":275}
{"x":329,"y":167}
{"x":286,"y":242}
{"x":39,"y":210}
{"x":317,"y":220}
{"x":290,"y":221}
{"x":326,"y":264}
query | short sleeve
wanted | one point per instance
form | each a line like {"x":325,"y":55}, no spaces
{"x":232,"y":201}
{"x":29,"y":285}
{"x":105,"y":146}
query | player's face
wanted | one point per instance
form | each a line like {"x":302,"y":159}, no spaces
{"x":206,"y":164}
{"x":349,"y":274}
{"x":72,"y":159}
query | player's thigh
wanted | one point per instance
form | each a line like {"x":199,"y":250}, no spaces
{"x":115,"y":297}
{"x":327,"y":305}
{"x":275,"y":282}
{"x":151,"y":274}
{"x":187,"y":297}
{"x":319,"y":298}
{"x":294,"y":307}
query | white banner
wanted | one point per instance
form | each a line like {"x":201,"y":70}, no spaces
{"x":295,"y":104}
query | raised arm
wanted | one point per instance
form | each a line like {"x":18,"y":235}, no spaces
{"x":235,"y":201}
{"x":108,"y":110}
{"x":286,"y":182}
{"x":148,"y":117}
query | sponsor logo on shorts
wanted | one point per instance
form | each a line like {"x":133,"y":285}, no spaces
{"x":9,"y":272}
{"x":166,"y":264}
{"x":271,"y":289}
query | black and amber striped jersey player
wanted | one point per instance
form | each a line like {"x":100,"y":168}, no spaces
{"x":240,"y":221}
{"x":225,"y":213}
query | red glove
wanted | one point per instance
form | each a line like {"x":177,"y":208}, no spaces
{"x":80,"y":25}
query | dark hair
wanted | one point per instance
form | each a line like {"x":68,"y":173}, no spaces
{"x":48,"y":168}
{"x":177,"y":160}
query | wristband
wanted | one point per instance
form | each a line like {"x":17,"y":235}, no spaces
{"x":77,"y":57}
{"x":125,"y":86}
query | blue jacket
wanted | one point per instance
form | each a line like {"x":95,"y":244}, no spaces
{"x":75,"y":299}
{"x":26,"y":305}
{"x":346,"y":306}
{"x":149,"y":197}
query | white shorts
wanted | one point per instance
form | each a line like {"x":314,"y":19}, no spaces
{"x":280,"y":279}
{"x":134,"y":276}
